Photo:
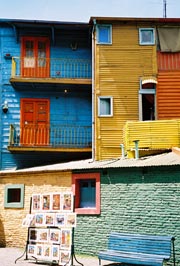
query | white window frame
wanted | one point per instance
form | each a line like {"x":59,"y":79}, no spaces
{"x":109,"y":42}
{"x":110,"y":98}
{"x":141,"y":30}
{"x":146,"y":91}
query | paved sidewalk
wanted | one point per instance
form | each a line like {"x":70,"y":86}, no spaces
{"x":8,"y":257}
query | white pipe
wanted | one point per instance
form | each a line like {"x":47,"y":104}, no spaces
{"x":136,"y":149}
{"x":122,"y":151}
{"x":93,"y":97}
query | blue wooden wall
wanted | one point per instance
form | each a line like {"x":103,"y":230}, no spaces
{"x":75,"y":107}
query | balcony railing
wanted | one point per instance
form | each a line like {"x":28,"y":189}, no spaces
{"x":31,"y":67}
{"x":54,"y":136}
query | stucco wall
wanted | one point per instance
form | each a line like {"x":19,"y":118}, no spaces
{"x":11,"y":231}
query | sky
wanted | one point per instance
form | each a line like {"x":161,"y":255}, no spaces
{"x":82,"y":10}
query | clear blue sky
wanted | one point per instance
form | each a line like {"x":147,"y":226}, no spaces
{"x":82,"y":10}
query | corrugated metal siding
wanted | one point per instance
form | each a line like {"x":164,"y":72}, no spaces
{"x":152,"y":135}
{"x":168,"y":95}
{"x":63,"y":108}
{"x":118,"y":70}
{"x":168,"y":61}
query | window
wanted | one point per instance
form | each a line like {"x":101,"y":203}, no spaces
{"x":14,"y":196}
{"x":35,"y":57}
{"x":147,"y":100}
{"x":105,"y":106}
{"x":146,"y":36}
{"x":104,"y":34}
{"x":86,"y":188}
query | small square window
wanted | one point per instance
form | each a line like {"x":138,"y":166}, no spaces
{"x":86,"y":188}
{"x":146,"y":36}
{"x":87,"y":193}
{"x":14,"y":196}
{"x":105,"y":106}
{"x":104,"y":34}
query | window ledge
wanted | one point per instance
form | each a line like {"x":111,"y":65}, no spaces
{"x":94,"y":211}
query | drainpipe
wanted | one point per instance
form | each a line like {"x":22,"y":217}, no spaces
{"x":136,"y":149}
{"x":93,"y":96}
{"x":122,"y":151}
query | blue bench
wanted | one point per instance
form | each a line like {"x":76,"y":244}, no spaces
{"x":138,"y":249}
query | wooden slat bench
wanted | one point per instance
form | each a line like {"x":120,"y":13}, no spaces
{"x":138,"y":249}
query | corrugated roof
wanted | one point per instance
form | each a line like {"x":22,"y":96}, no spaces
{"x":166,"y":159}
{"x":135,"y":19}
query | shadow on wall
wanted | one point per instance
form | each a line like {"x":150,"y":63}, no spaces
{"x":2,"y":235}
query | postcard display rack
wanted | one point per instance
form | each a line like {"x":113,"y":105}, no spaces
{"x":51,"y":224}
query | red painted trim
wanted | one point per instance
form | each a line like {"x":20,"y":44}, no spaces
{"x":75,"y":188}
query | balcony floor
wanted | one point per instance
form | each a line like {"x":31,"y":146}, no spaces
{"x":16,"y":149}
{"x":19,"y":82}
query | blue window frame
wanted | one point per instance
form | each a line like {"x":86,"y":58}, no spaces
{"x":146,"y":36}
{"x":104,"y":34}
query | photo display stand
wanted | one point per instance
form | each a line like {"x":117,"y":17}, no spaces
{"x":51,"y":222}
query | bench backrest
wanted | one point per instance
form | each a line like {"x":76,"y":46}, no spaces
{"x":149,"y":244}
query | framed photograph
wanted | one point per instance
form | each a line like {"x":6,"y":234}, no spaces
{"x":55,"y":252}
{"x":54,"y":236}
{"x":33,"y":235}
{"x":39,"y":219}
{"x":56,"y":202}
{"x":46,"y":202}
{"x":31,"y":250}
{"x":71,"y":219}
{"x":59,"y":219}
{"x":67,"y":202}
{"x":47,"y":252}
{"x":43,"y":235}
{"x":36,"y":203}
{"x":66,"y":238}
{"x":49,"y":219}
{"x":65,"y":257}
{"x":39,"y":251}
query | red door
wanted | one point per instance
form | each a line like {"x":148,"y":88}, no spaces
{"x":35,"y":57}
{"x":34,"y":122}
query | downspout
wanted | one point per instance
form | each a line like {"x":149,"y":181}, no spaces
{"x":93,"y":89}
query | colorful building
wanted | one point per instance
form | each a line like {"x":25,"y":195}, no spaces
{"x":45,"y":92}
{"x":136,"y":77}
{"x":131,"y":195}
{"x":105,"y":92}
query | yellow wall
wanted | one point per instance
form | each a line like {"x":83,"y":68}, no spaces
{"x":153,"y":136}
{"x":118,"y":68}
{"x":11,"y":231}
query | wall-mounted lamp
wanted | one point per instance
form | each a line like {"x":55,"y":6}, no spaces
{"x":5,"y":107}
{"x":74,"y":46}
{"x":8,"y":56}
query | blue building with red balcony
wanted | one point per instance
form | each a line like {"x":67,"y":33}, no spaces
{"x":45,"y":92}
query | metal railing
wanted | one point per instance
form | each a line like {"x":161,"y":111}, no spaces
{"x":53,"y":136}
{"x":31,"y":67}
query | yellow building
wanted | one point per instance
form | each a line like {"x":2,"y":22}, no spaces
{"x":126,"y":71}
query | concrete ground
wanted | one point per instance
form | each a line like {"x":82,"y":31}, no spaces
{"x":16,"y":256}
